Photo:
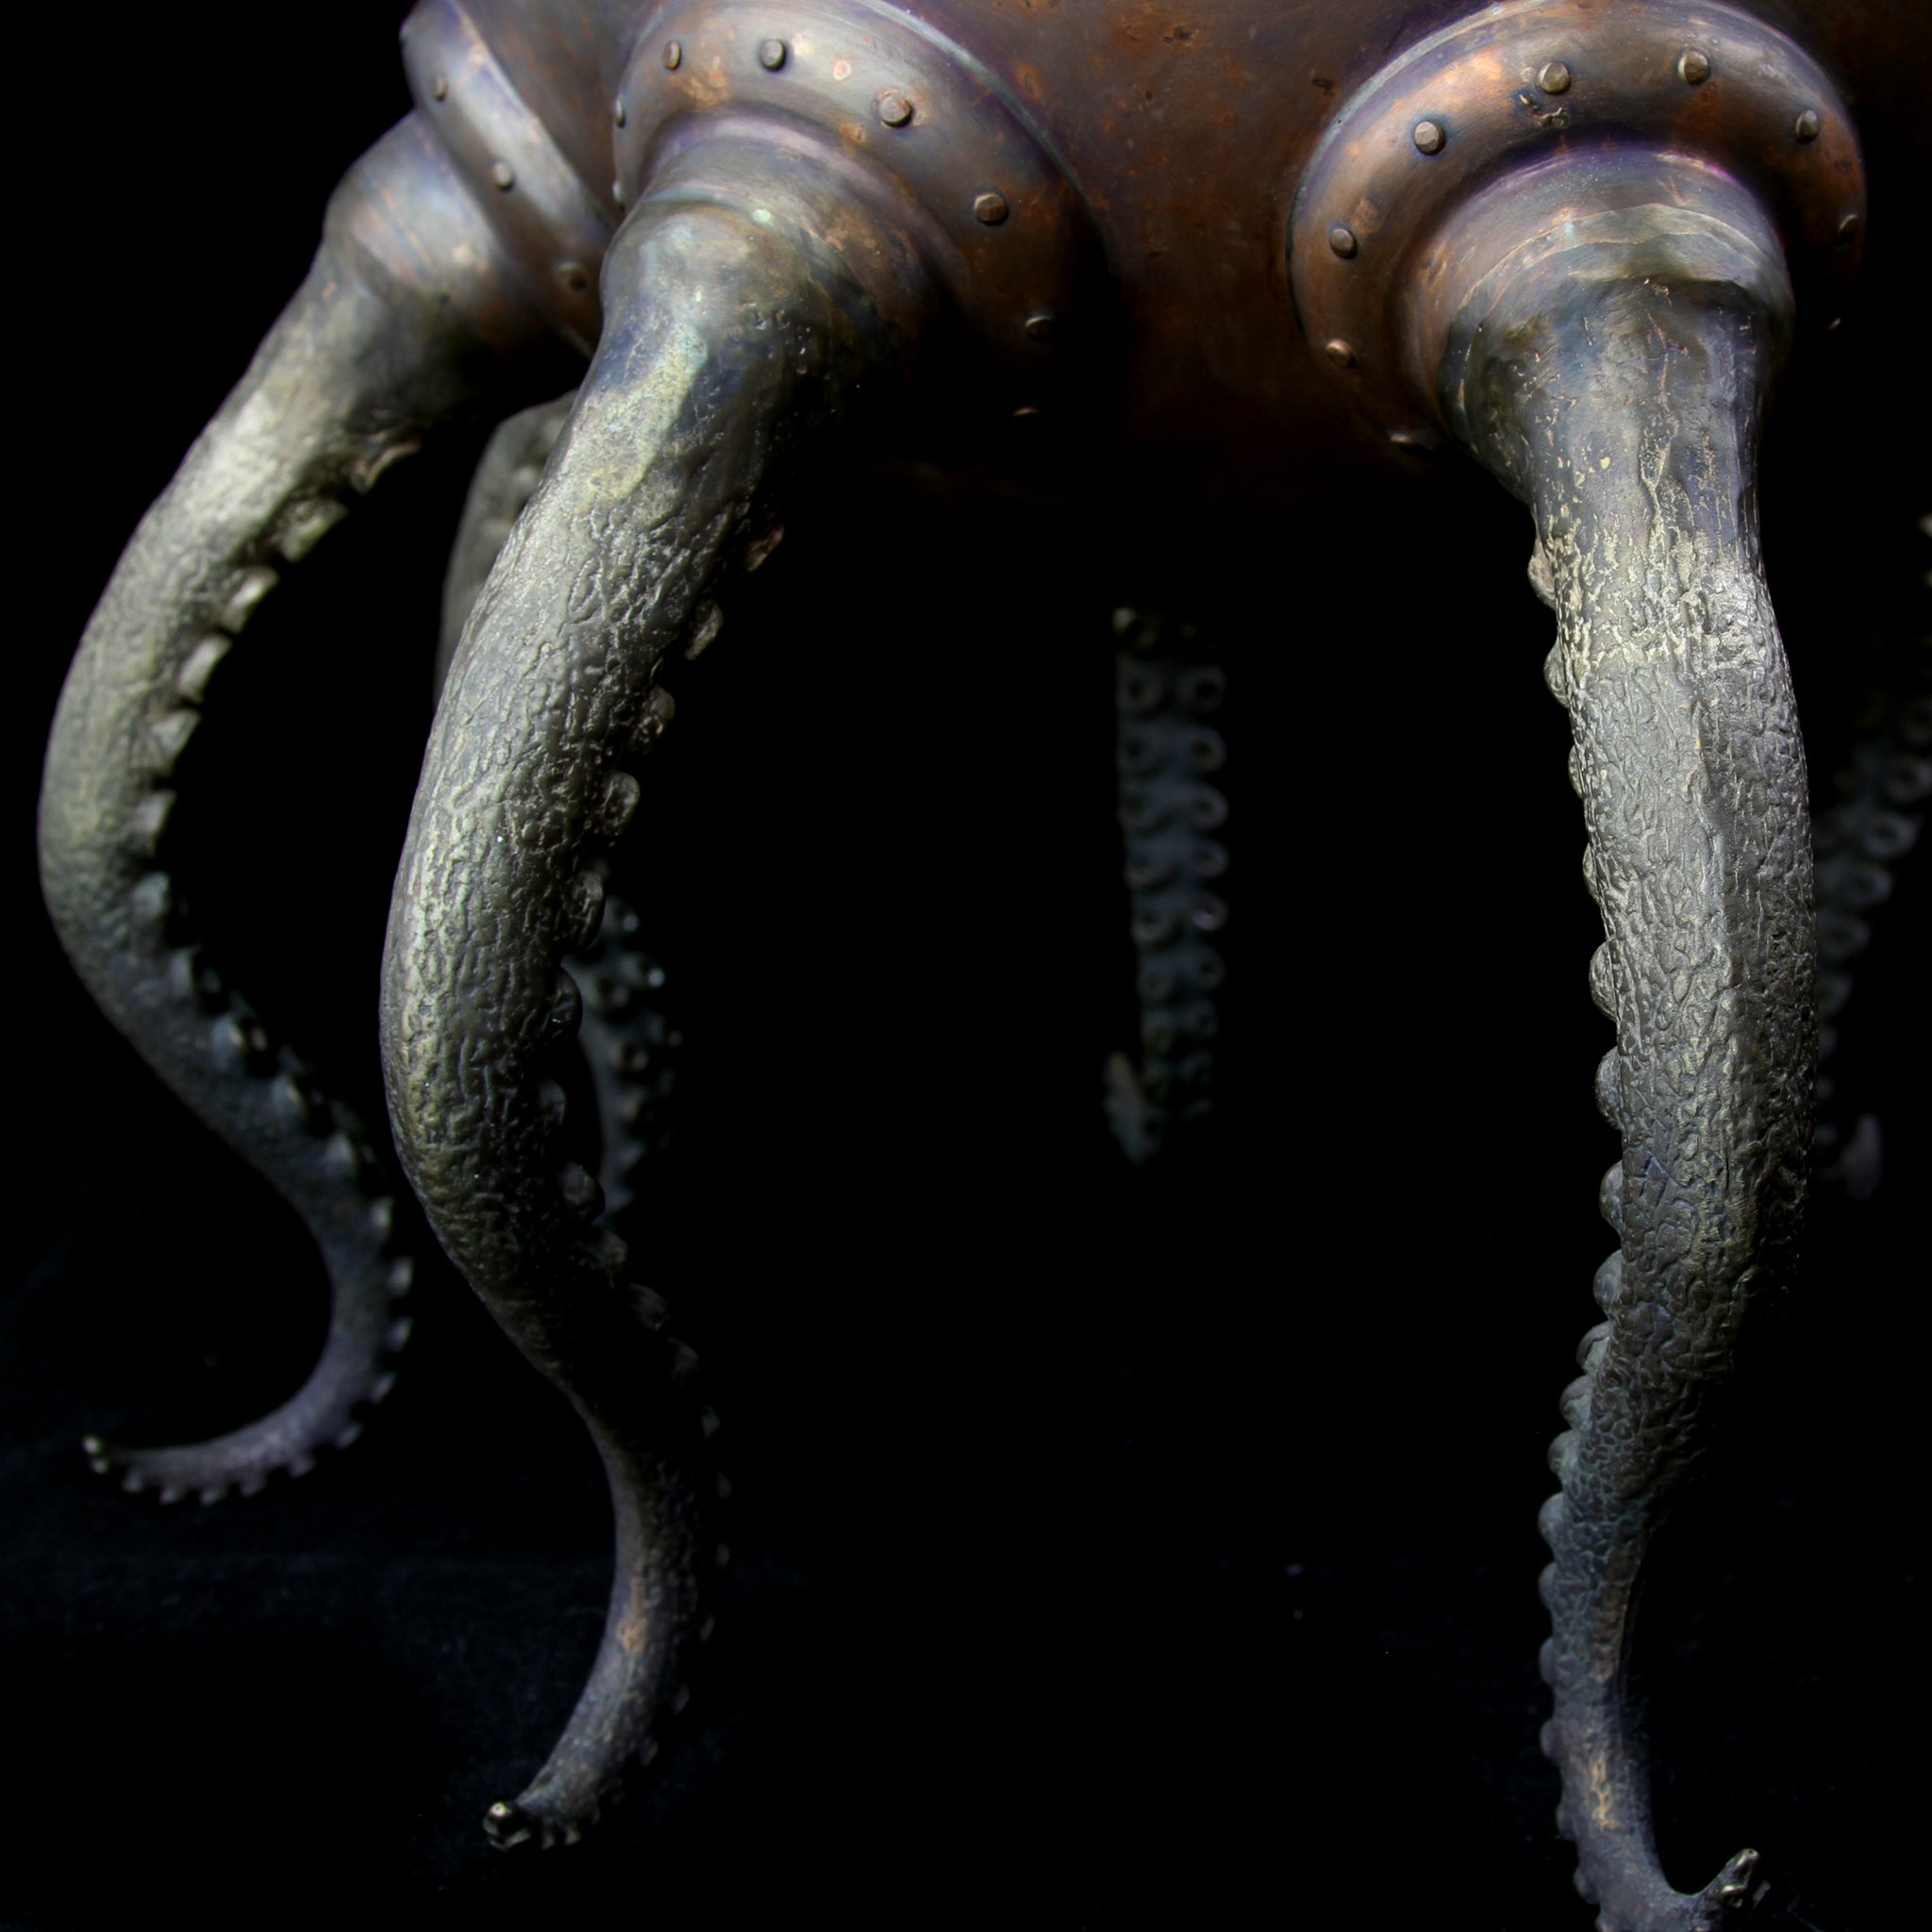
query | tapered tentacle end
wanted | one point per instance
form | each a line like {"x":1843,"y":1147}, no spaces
{"x":1612,"y":368}
{"x":356,"y":1371}
{"x":637,"y":1685}
{"x":407,"y":313}
{"x":729,"y":334}
{"x":1614,"y":376}
{"x":1630,"y":1897}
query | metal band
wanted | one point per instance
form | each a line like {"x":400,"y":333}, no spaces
{"x":1519,"y":85}
{"x":556,"y":229}
{"x":913,"y":121}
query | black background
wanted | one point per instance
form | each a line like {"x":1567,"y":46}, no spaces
{"x":1109,"y":1549}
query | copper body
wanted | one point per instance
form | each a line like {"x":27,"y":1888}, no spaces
{"x":1186,"y":141}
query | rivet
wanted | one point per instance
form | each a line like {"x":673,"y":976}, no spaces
{"x":438,"y":87}
{"x":1693,"y":66}
{"x":1339,"y":352}
{"x":771,"y":54}
{"x":1554,"y":78}
{"x":990,"y":209}
{"x":1428,"y":137}
{"x":502,"y":175}
{"x":894,"y":108}
{"x":1040,"y":326}
{"x":1805,"y":127}
{"x":1342,"y":238}
{"x":618,"y":113}
{"x":573,"y":275}
{"x":674,"y":53}
{"x":1848,"y":231}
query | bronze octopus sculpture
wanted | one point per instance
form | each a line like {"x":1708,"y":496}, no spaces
{"x":1577,"y":241}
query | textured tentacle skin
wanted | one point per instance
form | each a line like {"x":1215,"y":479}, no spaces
{"x":1166,"y":750}
{"x":1614,"y":373}
{"x":630,"y":1045}
{"x":507,"y":476}
{"x":374,"y":349}
{"x":727,"y":337}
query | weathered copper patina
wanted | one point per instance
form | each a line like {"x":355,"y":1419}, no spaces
{"x":1254,"y":256}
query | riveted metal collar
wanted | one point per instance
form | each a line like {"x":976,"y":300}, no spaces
{"x":909,"y":121}
{"x":1751,"y":103}
{"x":553,"y":226}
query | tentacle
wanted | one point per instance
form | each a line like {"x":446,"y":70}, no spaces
{"x":377,"y":346}
{"x":630,"y":1045}
{"x":726,"y":336}
{"x":507,"y":476}
{"x":1168,"y":812}
{"x":1875,"y":820}
{"x":1614,"y":371}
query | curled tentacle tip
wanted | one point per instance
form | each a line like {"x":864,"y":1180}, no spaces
{"x":1731,"y":1888}
{"x":506,"y":1824}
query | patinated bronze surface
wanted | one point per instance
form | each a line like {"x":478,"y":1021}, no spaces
{"x":1264,"y":250}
